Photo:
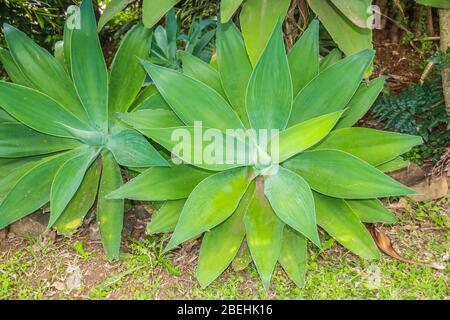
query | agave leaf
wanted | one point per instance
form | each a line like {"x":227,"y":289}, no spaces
{"x":113,"y":8}
{"x":373,"y":146}
{"x":31,"y":190}
{"x":67,"y":181}
{"x":161,"y":184}
{"x":355,"y":11}
{"x":267,"y":107}
{"x":154,"y":10}
{"x":228,"y":8}
{"x":334,"y":56}
{"x":341,"y":81}
{"x":143,"y":95}
{"x":179,"y":142}
{"x":10,"y":165}
{"x":231,"y":52}
{"x":44,"y":114}
{"x":145,"y":119}
{"x":153,"y":102}
{"x":132,"y":150}
{"x":264,"y":234}
{"x":5,"y":117}
{"x":211,"y":202}
{"x":200,"y":70}
{"x":166,"y":218}
{"x":349,"y":37}
{"x":294,"y":255}
{"x":305,"y":135}
{"x":393,"y":165}
{"x":295,"y":204}
{"x":258,"y":20}
{"x":192,"y":100}
{"x":88,"y":67}
{"x":361,"y":102}
{"x":14,"y":173}
{"x":43,"y":70}
{"x":340,"y":222}
{"x":338,"y":174}
{"x":110,"y":211}
{"x":304,"y":58}
{"x":371,"y":211}
{"x":73,"y":215}
{"x":14,"y":72}
{"x":443,"y":4}
{"x":221,"y":244}
{"x":27,"y":142}
{"x":126,"y":68}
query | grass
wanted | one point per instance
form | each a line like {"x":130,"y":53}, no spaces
{"x":32,"y":269}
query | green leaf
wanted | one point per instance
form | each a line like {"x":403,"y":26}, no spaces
{"x":443,"y":4}
{"x":153,"y":102}
{"x":264,"y":234}
{"x":356,"y":11}
{"x":371,"y":211}
{"x":184,"y":143}
{"x":292,"y":200}
{"x":41,"y":69}
{"x":305,"y":135}
{"x":83,"y":200}
{"x":143,"y":95}
{"x":67,"y":181}
{"x":113,"y":8}
{"x":267,"y":107}
{"x":145,"y":119}
{"x":221,"y":244}
{"x":340,"y":222}
{"x":228,"y":8}
{"x":31,"y":190}
{"x":231,"y":52}
{"x":67,"y":41}
{"x":394,"y":165}
{"x":341,"y":81}
{"x":132,"y":150}
{"x":11,"y":164}
{"x":211,"y":202}
{"x":341,"y":175}
{"x":89,"y":69}
{"x":361,"y":102}
{"x":334,"y":56}
{"x":294,"y":255}
{"x":17,"y":140}
{"x":166,"y":218}
{"x":192,"y":100}
{"x":15,"y":169}
{"x":14,"y":72}
{"x":154,"y":10}
{"x":44,"y":114}
{"x":258,"y":20}
{"x":58,"y":53}
{"x":349,"y":37}
{"x":127,"y":69}
{"x":304,"y":58}
{"x":200,"y":70}
{"x":373,"y":146}
{"x":110,"y":212}
{"x":161,"y":184}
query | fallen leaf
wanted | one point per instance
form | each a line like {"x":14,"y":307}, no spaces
{"x":385,"y":245}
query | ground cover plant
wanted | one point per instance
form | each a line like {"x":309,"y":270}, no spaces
{"x":325,"y":172}
{"x":60,"y":141}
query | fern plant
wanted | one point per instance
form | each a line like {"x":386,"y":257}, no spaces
{"x":59,"y":139}
{"x":325,"y":172}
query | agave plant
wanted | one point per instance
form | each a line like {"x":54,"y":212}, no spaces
{"x":169,"y":41}
{"x":329,"y":174}
{"x":59,"y":139}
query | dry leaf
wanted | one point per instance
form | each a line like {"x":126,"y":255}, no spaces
{"x":385,"y":245}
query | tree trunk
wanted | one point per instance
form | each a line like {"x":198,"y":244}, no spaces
{"x":444,"y":21}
